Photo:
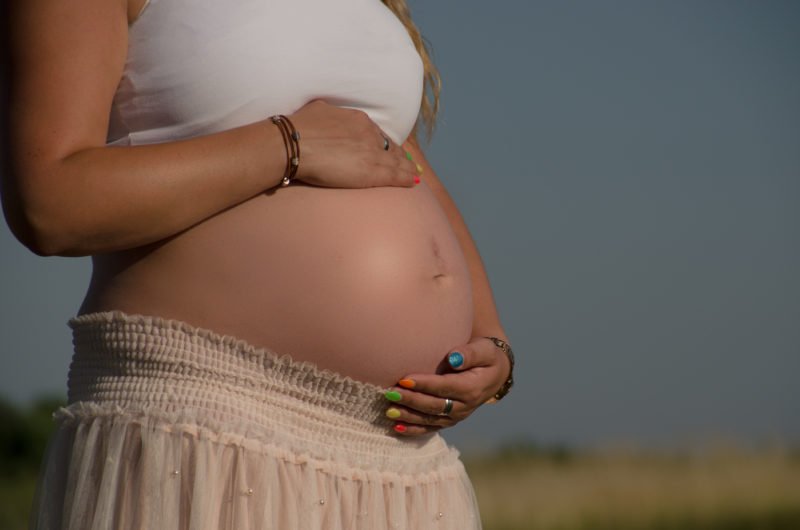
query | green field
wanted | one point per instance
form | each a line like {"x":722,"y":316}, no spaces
{"x":720,"y":487}
{"x":527,"y":487}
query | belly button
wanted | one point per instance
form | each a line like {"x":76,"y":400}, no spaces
{"x":444,"y":281}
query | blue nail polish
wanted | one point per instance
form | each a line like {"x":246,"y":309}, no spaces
{"x":455,"y":359}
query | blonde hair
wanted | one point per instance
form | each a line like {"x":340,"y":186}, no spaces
{"x":432,"y":81}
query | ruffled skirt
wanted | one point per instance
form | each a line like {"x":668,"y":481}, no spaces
{"x":169,"y":426}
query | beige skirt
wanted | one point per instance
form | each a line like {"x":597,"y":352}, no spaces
{"x":169,"y":426}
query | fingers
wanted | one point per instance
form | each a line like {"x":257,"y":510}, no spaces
{"x":409,"y":418}
{"x":387,"y":143}
{"x":423,"y":407}
{"x":419,"y":399}
{"x":467,"y":388}
{"x":415,"y":413}
{"x":478,"y":352}
{"x":406,"y":171}
{"x":344,"y":148}
{"x":400,"y":169}
{"x":392,"y":166}
{"x":410,"y":429}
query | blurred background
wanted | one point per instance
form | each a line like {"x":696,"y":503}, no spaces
{"x":630,"y":171}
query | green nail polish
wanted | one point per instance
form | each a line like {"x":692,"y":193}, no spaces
{"x":393,"y":395}
{"x":408,"y":155}
{"x":393,"y":413}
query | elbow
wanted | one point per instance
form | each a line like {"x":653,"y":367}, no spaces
{"x":40,"y":236}
{"x":57,"y":234}
{"x":42,"y":213}
{"x":34,"y":242}
{"x":48,"y":246}
{"x":41,"y":230}
{"x":30,"y":219}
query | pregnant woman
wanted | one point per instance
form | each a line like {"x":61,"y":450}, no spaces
{"x":285,"y":304}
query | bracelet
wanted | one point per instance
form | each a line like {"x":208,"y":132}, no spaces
{"x":284,"y":135}
{"x":291,"y":141}
{"x":506,"y":347}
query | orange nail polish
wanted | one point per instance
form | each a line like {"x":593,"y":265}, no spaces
{"x":407,"y":383}
{"x":399,"y":427}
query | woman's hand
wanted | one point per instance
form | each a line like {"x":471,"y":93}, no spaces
{"x":65,"y":192}
{"x":344,"y":148}
{"x":477,"y":370}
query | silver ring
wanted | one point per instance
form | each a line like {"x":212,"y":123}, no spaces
{"x":448,"y":407}
{"x":385,"y":143}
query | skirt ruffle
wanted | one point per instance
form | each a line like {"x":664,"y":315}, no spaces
{"x":170,"y":427}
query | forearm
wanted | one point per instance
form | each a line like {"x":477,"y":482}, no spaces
{"x":65,"y":192}
{"x":103,"y":199}
{"x":486,"y":320}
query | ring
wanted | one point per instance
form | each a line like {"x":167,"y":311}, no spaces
{"x":385,"y":143}
{"x":448,"y":407}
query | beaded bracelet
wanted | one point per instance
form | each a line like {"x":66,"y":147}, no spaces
{"x":506,"y":348}
{"x":291,"y":140}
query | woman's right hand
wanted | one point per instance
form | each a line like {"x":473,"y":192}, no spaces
{"x":343,"y":148}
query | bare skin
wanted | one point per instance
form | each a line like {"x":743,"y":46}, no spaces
{"x":354,"y":267}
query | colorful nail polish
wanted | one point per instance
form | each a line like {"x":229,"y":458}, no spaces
{"x":416,"y":179}
{"x":393,"y":413}
{"x":407,"y":383}
{"x":408,"y":155}
{"x":455,"y":359}
{"x":399,"y":427}
{"x":419,"y":168}
{"x":393,"y":395}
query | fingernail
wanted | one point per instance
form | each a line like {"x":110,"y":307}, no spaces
{"x":455,"y":359}
{"x":399,"y":427}
{"x":419,"y":168}
{"x":393,"y":395}
{"x":407,"y":383}
{"x":393,"y":413}
{"x":416,"y":179}
{"x":408,"y":155}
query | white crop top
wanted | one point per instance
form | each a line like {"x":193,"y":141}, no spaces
{"x":201,"y":66}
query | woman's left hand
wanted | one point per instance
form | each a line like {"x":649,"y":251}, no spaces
{"x":477,"y":370}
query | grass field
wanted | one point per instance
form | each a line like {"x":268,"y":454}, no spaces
{"x":717,"y":488}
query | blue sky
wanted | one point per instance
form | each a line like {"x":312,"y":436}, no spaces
{"x":630,"y":171}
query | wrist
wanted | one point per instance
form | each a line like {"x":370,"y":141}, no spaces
{"x":291,"y":141}
{"x":272,"y":153}
{"x":505,"y":347}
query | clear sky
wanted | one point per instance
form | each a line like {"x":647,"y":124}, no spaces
{"x":630,"y":171}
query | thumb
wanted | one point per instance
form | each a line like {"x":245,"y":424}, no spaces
{"x":478,"y":352}
{"x":456,"y":359}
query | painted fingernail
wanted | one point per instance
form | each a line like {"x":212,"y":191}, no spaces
{"x":407,"y":383}
{"x":416,"y":179}
{"x":408,"y":155}
{"x":419,"y":168}
{"x":455,"y":359}
{"x":393,"y":413}
{"x":399,"y":427}
{"x":393,"y":395}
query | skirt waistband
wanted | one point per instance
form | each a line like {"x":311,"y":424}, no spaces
{"x":157,"y":366}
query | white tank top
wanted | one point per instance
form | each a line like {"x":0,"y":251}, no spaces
{"x":201,"y":66}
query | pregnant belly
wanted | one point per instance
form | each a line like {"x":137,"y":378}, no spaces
{"x":369,"y":283}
